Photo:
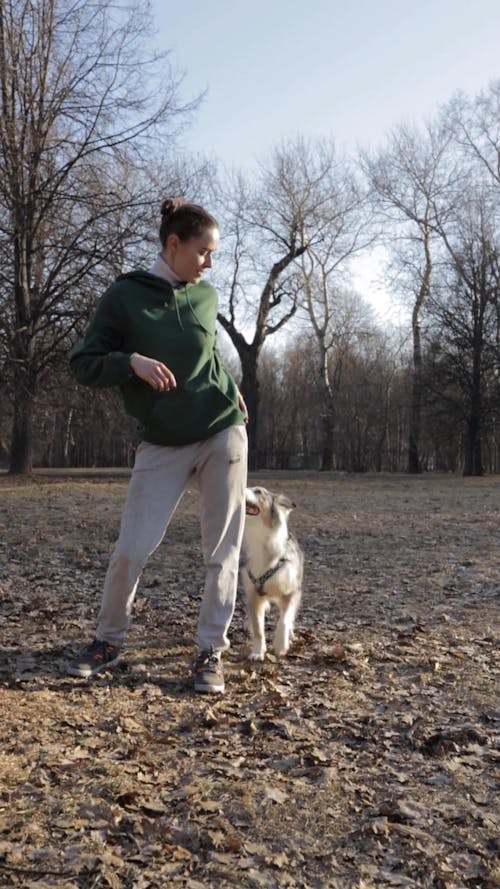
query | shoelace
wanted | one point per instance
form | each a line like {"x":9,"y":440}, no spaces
{"x":209,"y":660}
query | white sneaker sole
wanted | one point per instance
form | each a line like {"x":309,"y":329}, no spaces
{"x":82,"y":673}
{"x":207,"y":689}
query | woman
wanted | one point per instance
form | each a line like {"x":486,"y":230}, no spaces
{"x":153,"y":335}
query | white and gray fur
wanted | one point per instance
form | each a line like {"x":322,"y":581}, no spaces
{"x":272,"y":569}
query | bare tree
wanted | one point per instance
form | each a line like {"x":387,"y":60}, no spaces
{"x":469,"y":235}
{"x":370,"y":400}
{"x":474,"y":123}
{"x":340,"y":321}
{"x":80,"y":91}
{"x":466,"y":310}
{"x":270,"y":227}
{"x":288,"y":429}
{"x":410,"y":185}
{"x":263,"y":238}
{"x":340,"y":231}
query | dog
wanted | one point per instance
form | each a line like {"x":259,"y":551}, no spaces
{"x":272,"y":569}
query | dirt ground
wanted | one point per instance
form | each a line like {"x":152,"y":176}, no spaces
{"x":366,"y":758}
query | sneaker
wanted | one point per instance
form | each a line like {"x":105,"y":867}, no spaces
{"x":208,"y":675}
{"x":96,"y":657}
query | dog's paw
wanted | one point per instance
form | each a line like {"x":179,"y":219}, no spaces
{"x":281,"y":652}
{"x":256,"y":655}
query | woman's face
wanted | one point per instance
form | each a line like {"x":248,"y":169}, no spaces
{"x":189,"y":259}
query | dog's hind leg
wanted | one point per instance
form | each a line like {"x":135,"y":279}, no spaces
{"x":257,"y":607}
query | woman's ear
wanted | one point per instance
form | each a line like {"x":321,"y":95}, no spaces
{"x":172,"y":244}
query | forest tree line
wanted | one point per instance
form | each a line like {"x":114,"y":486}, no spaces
{"x":90,"y":144}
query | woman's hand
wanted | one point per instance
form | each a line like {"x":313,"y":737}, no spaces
{"x":153,"y":372}
{"x":242,"y":406}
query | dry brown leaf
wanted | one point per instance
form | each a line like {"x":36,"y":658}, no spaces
{"x":275,"y":795}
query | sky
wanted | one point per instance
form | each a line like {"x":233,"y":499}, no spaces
{"x":349,"y":70}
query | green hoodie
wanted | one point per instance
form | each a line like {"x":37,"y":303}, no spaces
{"x":143,"y":313}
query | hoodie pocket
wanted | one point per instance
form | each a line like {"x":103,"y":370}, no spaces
{"x":139,"y":399}
{"x":183,"y":417}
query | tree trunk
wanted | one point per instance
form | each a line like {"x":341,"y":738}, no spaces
{"x":328,"y":448}
{"x":473,"y":463}
{"x":249,"y":353}
{"x":327,"y":411}
{"x":67,"y":437}
{"x":21,"y":455}
{"x":25,"y":377}
{"x":415,"y":420}
{"x":250,"y":392}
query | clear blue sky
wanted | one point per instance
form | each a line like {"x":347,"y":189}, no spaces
{"x":342,"y":69}
{"x":347,"y":69}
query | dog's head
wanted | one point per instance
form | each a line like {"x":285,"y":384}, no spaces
{"x":265,"y":506}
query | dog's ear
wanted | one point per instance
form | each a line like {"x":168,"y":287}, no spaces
{"x":284,"y":501}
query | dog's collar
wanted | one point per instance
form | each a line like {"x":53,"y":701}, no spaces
{"x":259,"y":582}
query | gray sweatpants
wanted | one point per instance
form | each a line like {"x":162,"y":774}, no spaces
{"x":159,"y":479}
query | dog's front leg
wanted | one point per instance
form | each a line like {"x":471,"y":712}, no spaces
{"x":257,"y":608}
{"x":284,"y":628}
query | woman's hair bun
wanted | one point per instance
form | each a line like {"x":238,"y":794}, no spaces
{"x":170,"y":205}
{"x":179,"y":217}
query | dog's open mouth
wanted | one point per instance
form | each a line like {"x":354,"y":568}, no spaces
{"x":252,"y":508}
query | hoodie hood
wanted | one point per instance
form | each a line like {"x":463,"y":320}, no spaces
{"x":170,"y":293}
{"x":141,"y":276}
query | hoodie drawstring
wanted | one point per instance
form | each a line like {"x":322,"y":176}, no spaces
{"x":192,"y":309}
{"x":177,"y":309}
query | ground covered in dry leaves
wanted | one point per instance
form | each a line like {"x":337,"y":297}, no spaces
{"x":367,"y":758}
